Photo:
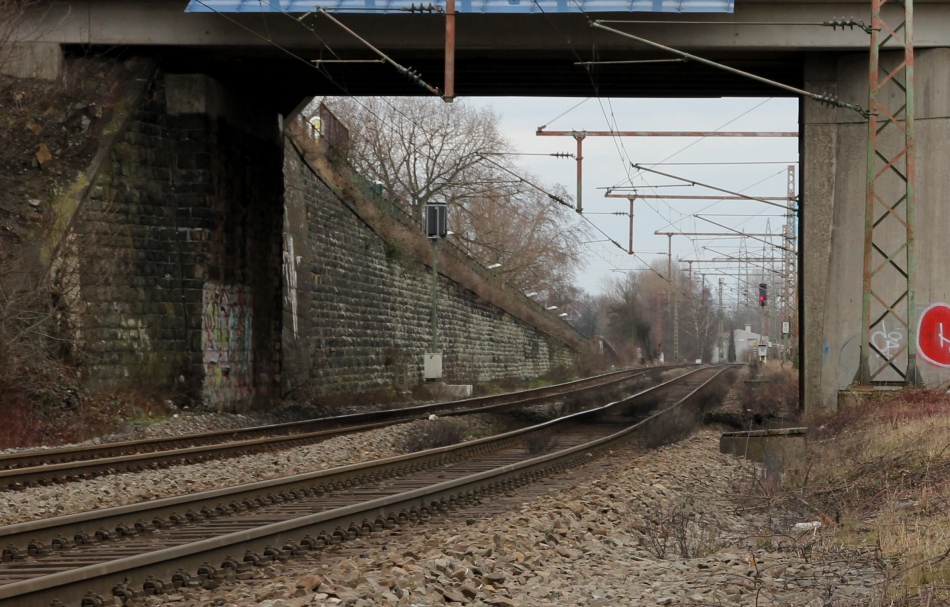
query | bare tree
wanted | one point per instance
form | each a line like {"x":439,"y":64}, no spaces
{"x":536,"y":242}
{"x":419,"y":148}
{"x":422,"y":150}
{"x":702,"y":323}
{"x":16,"y":29}
{"x":626,"y":307}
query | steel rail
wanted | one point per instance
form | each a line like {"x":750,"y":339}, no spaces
{"x":297,"y":535}
{"x":33,"y":457}
{"x":79,"y":462}
{"x":120,"y":521}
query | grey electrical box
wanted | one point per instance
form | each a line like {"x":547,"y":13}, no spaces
{"x":436,"y":220}
{"x":432,"y":365}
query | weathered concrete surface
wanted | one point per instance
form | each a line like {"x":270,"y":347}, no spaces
{"x":835,"y":165}
{"x":43,"y":60}
{"x":137,"y":22}
{"x":818,"y":171}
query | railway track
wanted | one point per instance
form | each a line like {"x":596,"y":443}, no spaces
{"x":196,"y":539}
{"x":18,"y":470}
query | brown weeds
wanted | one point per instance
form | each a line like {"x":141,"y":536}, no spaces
{"x":877,"y":474}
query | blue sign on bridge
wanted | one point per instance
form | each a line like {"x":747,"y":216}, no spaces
{"x":465,"y":6}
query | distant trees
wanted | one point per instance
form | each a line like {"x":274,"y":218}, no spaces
{"x":636,"y":309}
{"x":421,"y":149}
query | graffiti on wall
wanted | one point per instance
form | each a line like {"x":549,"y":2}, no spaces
{"x":933,"y":335}
{"x":291,"y":262}
{"x":887,"y":342}
{"x":226,"y":346}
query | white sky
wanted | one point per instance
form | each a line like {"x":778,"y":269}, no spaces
{"x":605,"y":165}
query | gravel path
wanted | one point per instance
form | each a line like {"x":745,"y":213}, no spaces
{"x":596,"y":544}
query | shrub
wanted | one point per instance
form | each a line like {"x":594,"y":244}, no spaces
{"x":432,"y":434}
{"x":678,"y":527}
{"x":773,"y":396}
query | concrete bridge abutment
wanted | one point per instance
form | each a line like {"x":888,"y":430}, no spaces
{"x":834,"y":166}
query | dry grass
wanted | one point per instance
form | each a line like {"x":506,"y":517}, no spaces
{"x":879,"y":474}
{"x":770,"y":397}
{"x":677,"y":528}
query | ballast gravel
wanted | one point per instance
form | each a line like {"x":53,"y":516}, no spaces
{"x":133,"y":487}
{"x":665,"y":527}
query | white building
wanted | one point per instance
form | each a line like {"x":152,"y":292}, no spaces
{"x":745,"y":341}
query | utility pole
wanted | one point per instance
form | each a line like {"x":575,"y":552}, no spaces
{"x":790,"y":316}
{"x":579,"y":137}
{"x":719,"y":338}
{"x":630,"y":249}
{"x":673,"y":297}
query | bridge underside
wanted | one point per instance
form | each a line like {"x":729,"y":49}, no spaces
{"x":274,"y":76}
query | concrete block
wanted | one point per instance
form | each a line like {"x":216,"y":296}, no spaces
{"x":781,"y":445}
{"x":42,"y":60}
{"x":442,"y":391}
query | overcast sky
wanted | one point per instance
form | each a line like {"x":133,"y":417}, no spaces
{"x":605,"y":164}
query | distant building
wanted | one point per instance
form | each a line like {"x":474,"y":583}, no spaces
{"x":745,"y":342}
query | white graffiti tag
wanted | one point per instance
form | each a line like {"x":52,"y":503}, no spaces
{"x":885,"y":342}
{"x":944,"y":341}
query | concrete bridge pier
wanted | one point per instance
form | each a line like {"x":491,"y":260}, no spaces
{"x":834,"y":167}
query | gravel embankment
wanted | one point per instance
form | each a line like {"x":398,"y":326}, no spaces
{"x":595,"y":544}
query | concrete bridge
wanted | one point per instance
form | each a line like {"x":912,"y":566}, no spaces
{"x":266,"y":60}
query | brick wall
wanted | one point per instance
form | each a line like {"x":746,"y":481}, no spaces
{"x":361,"y":307}
{"x":179,"y":257}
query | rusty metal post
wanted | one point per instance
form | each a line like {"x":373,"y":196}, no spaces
{"x":886,"y":308}
{"x":580,"y":157}
{"x":448,"y":87}
{"x":719,"y":335}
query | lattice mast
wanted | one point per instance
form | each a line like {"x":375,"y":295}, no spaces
{"x":790,"y":254}
{"x":888,"y":304}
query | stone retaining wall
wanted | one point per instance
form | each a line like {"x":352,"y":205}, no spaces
{"x":363,"y":306}
{"x":209,"y":263}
